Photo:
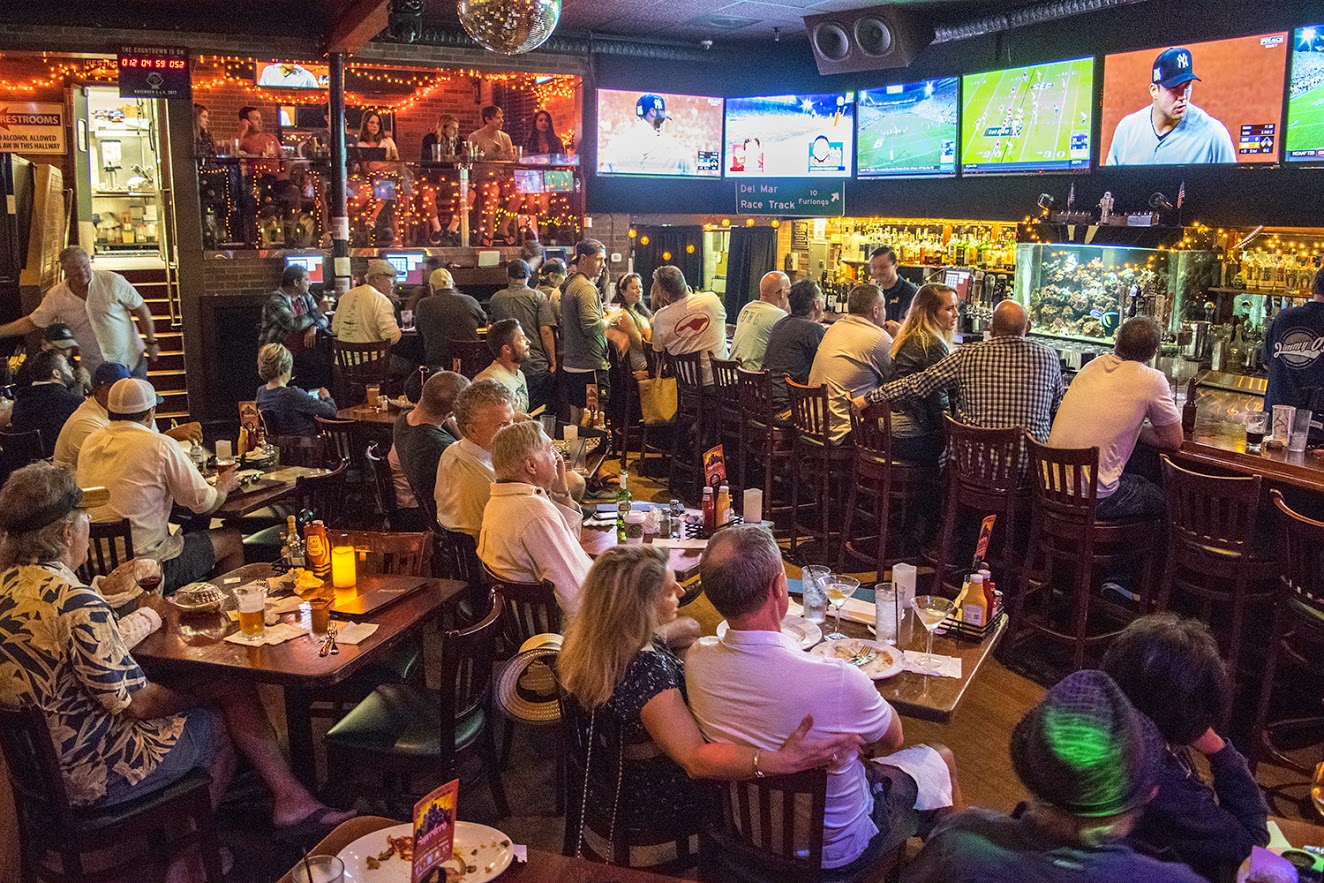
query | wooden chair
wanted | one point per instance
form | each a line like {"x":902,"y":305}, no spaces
{"x":764,"y":438}
{"x":814,"y":452}
{"x":131,"y":837}
{"x":691,"y":435}
{"x":18,"y":449}
{"x":531,"y":608}
{"x":414,"y":735}
{"x":322,"y":495}
{"x":771,"y":829}
{"x":392,"y":553}
{"x":983,"y":477}
{"x":301,"y":450}
{"x":339,"y":438}
{"x":1213,"y":556}
{"x":1298,"y":628}
{"x":726,"y":385}
{"x":596,"y":767}
{"x":629,"y":423}
{"x":383,"y":483}
{"x":359,"y":364}
{"x":110,"y":544}
{"x":1066,"y":531}
{"x":469,"y":357}
{"x":891,"y":483}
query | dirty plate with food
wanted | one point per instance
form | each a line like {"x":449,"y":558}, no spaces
{"x":376,"y":858}
{"x":797,"y":628}
{"x":876,"y":660}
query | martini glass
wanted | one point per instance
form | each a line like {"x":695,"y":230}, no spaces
{"x":932,"y":610}
{"x":839,"y":588}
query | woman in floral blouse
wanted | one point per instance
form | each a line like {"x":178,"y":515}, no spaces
{"x":118,"y":736}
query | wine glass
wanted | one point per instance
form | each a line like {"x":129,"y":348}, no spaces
{"x":839,"y":588}
{"x":932,"y":610}
{"x":151,"y":582}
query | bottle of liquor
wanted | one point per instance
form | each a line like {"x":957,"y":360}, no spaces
{"x":623,"y":501}
{"x":293,"y":550}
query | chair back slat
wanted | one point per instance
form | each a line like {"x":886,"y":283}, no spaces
{"x":1065,"y":480}
{"x":324,"y":495}
{"x":383,"y":483}
{"x":1208,"y":510}
{"x":339,"y":437}
{"x":1301,"y":542}
{"x":810,"y":414}
{"x":389,"y":553}
{"x":688,"y":371}
{"x":31,"y":761}
{"x":871,"y":432}
{"x":755,"y":402}
{"x":776,"y":822}
{"x":469,"y":357}
{"x":466,"y":665}
{"x":726,"y":377}
{"x":657,"y":363}
{"x":110,"y":544}
{"x":984,"y":460}
{"x":360,"y":364}
{"x":531,"y":608}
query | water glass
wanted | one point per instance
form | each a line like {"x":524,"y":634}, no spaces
{"x":548,"y":424}
{"x":886,"y":613}
{"x":318,"y":869}
{"x":813,"y":580}
{"x":1300,"y":429}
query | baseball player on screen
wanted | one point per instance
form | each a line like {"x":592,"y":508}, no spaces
{"x":1171,"y":129}
{"x":647,"y":148}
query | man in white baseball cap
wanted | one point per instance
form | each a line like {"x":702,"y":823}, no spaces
{"x":366,"y":314}
{"x":146,"y":474}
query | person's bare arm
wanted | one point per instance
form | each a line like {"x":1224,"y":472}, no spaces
{"x":143,"y":314}
{"x":1163,"y":438}
{"x":18,"y":328}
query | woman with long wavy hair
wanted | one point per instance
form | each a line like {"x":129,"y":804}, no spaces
{"x":925,"y":338}
{"x":612,"y":663}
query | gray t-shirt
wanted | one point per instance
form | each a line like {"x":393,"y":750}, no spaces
{"x":583,"y":335}
{"x":531,"y":308}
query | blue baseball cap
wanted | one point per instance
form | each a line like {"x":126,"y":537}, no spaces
{"x":1173,"y":68}
{"x":109,"y":372}
{"x":651,"y":102}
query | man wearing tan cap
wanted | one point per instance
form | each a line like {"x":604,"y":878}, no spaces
{"x":366,"y":314}
{"x":147,"y":474}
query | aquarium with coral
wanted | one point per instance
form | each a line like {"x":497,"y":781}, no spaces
{"x":1084,"y":292}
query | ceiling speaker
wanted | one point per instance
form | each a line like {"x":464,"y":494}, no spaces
{"x":873,"y":38}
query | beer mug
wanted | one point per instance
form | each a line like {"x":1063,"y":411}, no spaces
{"x":252,"y":602}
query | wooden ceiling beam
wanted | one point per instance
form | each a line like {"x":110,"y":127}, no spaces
{"x":357,"y":23}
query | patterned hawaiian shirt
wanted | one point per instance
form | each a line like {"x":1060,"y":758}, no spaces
{"x":60,"y":649}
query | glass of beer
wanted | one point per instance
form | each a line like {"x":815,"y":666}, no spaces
{"x":374,"y":395}
{"x":1256,"y":423}
{"x":252,"y":601}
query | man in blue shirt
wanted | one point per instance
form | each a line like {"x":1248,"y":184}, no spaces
{"x":1294,"y":351}
{"x":1171,"y":130}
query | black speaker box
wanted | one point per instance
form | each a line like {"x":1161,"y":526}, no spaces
{"x":874,"y":38}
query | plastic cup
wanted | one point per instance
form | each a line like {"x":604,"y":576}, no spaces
{"x":1283,"y":417}
{"x":1300,"y":430}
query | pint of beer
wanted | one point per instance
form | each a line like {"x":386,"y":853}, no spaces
{"x":251,"y":599}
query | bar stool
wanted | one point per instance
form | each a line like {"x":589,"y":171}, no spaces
{"x":726,"y":384}
{"x":691,"y":411}
{"x":1298,"y":627}
{"x":1065,"y":529}
{"x":983,"y":476}
{"x":1212,"y":554}
{"x":890,"y":482}
{"x":814,"y":450}
{"x":763,"y":438}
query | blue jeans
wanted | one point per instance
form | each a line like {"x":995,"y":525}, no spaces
{"x":196,"y":749}
{"x":1135,"y":497}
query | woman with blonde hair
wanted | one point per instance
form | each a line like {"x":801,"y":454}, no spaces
{"x":288,"y":410}
{"x":446,"y":135}
{"x":612,"y":662}
{"x":924,"y":339}
{"x":203,"y":143}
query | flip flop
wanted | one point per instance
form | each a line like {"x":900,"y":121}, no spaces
{"x":313,"y":823}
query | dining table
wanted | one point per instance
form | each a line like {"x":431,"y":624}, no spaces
{"x":270,"y":487}
{"x":541,"y":867}
{"x":371,"y":416}
{"x":193,"y":647}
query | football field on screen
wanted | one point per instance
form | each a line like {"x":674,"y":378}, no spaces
{"x":1305,"y":120}
{"x":1026,"y":115}
{"x":907,"y":140}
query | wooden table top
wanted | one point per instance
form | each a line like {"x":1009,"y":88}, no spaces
{"x":542,"y":867}
{"x":238,"y":505}
{"x":196,"y":645}
{"x":364,"y":414}
{"x":1226,"y":451}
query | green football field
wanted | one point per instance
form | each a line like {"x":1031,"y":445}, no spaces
{"x":906,"y":141}
{"x":1047,"y":116}
{"x":1305,"y":121}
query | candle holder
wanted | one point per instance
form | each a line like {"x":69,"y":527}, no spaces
{"x":344,"y":567}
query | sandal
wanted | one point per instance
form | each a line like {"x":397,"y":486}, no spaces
{"x":312,"y":824}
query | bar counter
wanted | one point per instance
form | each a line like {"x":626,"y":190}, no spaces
{"x":1222,"y":448}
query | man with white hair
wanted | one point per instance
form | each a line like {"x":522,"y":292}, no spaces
{"x":464,"y":472}
{"x":531,"y":524}
{"x":754,"y":324}
{"x":147,"y":473}
{"x":100,"y":307}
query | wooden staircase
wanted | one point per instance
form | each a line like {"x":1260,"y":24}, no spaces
{"x":167,"y":375}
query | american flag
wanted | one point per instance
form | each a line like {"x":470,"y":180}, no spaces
{"x":1181,"y":194}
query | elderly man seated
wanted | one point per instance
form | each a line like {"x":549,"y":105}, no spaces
{"x":754,"y":686}
{"x":117,"y":735}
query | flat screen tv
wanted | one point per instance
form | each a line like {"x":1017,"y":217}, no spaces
{"x":408,"y":264}
{"x":908,"y":129}
{"x":291,"y":75}
{"x":1029,"y":119}
{"x":1305,"y":97}
{"x":312,"y":263}
{"x":790,"y":136}
{"x":659,"y":133}
{"x":1219,"y":102}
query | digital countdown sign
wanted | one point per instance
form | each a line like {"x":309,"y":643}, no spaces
{"x":154,"y":72}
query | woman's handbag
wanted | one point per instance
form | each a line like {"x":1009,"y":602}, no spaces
{"x":658,"y":399}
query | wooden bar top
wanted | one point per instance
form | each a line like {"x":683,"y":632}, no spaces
{"x":1225,"y":450}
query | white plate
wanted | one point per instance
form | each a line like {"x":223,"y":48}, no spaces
{"x":797,"y":628}
{"x":490,"y":861}
{"x":885,"y":665}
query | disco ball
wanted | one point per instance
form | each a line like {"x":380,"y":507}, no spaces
{"x":510,"y":26}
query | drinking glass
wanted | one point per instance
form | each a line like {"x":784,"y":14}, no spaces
{"x":839,"y":588}
{"x":252,"y":601}
{"x":932,"y":610}
{"x":1300,"y":433}
{"x":1256,"y":422}
{"x":813,"y":579}
{"x":319,"y":869}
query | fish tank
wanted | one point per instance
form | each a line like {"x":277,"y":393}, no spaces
{"x":1084,"y":292}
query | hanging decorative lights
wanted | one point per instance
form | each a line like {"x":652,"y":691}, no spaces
{"x":510,"y":27}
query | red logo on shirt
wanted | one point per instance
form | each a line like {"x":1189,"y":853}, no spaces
{"x":697,"y":324}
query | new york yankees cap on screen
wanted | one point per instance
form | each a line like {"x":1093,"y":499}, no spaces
{"x":1173,"y":68}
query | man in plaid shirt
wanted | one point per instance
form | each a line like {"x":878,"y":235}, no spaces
{"x":1005,"y":381}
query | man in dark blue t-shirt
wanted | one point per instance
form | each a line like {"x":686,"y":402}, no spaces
{"x":794,"y":341}
{"x":1294,"y":351}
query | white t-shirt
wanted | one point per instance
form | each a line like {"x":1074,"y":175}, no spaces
{"x":365,"y":315}
{"x":753,"y":327}
{"x":103,"y":324}
{"x":464,"y":483}
{"x":89,"y":417}
{"x":693,"y":324}
{"x":754,"y":687}
{"x":513,"y":381}
{"x":854,"y":357}
{"x":527,"y":537}
{"x":1105,"y":406}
